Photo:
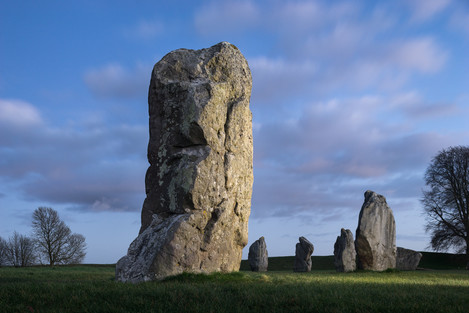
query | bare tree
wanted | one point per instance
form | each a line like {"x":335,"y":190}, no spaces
{"x":54,"y":239}
{"x":20,"y":251}
{"x":446,"y":201}
{"x":3,"y":251}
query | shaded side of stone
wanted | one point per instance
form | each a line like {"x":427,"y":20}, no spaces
{"x":304,"y":250}
{"x":407,"y":259}
{"x":376,"y":234}
{"x":258,"y":257}
{"x":344,"y":252}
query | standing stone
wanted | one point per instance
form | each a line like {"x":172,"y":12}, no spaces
{"x":376,"y":234}
{"x":303,"y":252}
{"x":199,"y":183}
{"x":258,"y":257}
{"x":345,"y":256}
{"x":407,"y":260}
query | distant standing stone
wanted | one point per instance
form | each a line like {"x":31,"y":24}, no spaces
{"x":407,"y":260}
{"x":345,"y":256}
{"x":303,"y":252}
{"x":258,"y":257}
{"x":376,"y":234}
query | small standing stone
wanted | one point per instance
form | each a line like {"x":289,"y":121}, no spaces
{"x":407,"y":260}
{"x":345,"y":256}
{"x":304,"y":249}
{"x":258,"y":256}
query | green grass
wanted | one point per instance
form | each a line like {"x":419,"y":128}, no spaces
{"x":87,"y":288}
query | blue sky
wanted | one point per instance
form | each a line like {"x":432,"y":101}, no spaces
{"x":347,"y":96}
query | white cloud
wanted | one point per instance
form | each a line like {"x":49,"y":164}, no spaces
{"x":115,"y":81}
{"x":275,"y":79}
{"x":323,"y":48}
{"x":382,"y":65}
{"x":420,"y":54}
{"x":333,"y":65}
{"x":89,"y":167}
{"x":226,"y":16}
{"x":424,"y":10}
{"x":460,"y":20}
{"x":145,"y":29}
{"x":299,"y":16}
{"x":288,"y":18}
{"x":19,"y":113}
{"x":413,"y":106}
{"x":344,"y":147}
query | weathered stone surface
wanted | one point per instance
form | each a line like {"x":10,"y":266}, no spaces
{"x":258,"y":256}
{"x":303,"y":252}
{"x":407,"y":260}
{"x":376,"y":234}
{"x":199,"y":183}
{"x":345,"y":256}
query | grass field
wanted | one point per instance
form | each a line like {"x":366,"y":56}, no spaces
{"x":88,"y":288}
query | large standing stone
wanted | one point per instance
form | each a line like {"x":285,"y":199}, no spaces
{"x":199,"y":183}
{"x":345,"y":256}
{"x":407,"y":260}
{"x":303,"y":252}
{"x":258,"y":257}
{"x":376,"y":234}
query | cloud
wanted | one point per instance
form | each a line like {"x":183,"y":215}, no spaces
{"x":321,"y":49}
{"x":104,"y":186}
{"x":424,"y":10}
{"x":460,"y":20}
{"x":221,"y":17}
{"x":19,"y":113}
{"x":88,"y":167}
{"x":272,"y":78}
{"x":145,"y":30}
{"x":420,"y":54}
{"x":301,"y":16}
{"x":321,"y":161}
{"x":413,"y":106}
{"x":362,"y":63}
{"x":115,"y":81}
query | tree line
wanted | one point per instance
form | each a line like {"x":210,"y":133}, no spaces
{"x":51,"y":242}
